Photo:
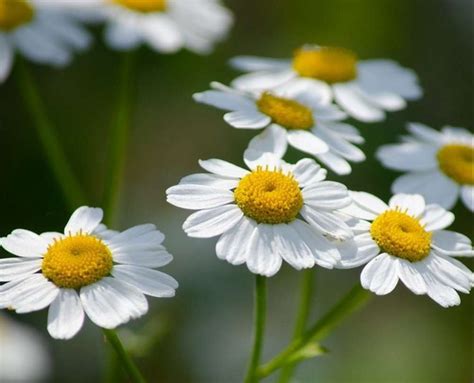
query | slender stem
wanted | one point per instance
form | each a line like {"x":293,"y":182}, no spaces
{"x":301,"y":318}
{"x":53,"y":151}
{"x":259,"y":328}
{"x":127,"y":362}
{"x":119,"y":138}
{"x":355,"y":299}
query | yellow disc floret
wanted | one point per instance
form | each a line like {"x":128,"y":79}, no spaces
{"x":285,"y":112}
{"x":457,"y":162}
{"x":77,"y":261}
{"x":269,"y":196}
{"x":14,"y":13}
{"x":145,"y":6}
{"x":327,"y":64}
{"x":401,"y":235}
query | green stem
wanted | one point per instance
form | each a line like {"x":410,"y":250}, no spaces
{"x":119,"y":137}
{"x":52,"y":148}
{"x":124,"y":358}
{"x":259,"y":328}
{"x":301,"y":318}
{"x":356,"y":298}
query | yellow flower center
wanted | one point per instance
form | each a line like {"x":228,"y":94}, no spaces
{"x":401,"y":235}
{"x":77,"y":261}
{"x":269,"y":196}
{"x":14,"y":13}
{"x":457,"y":162}
{"x":145,"y":6}
{"x":327,"y":64}
{"x":285,"y":112}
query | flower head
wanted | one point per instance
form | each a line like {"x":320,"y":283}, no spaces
{"x":298,"y":113}
{"x":405,"y":240}
{"x":439,"y":164}
{"x":365,"y":89}
{"x":273,"y":212}
{"x":88,"y":269}
{"x":43,"y":32}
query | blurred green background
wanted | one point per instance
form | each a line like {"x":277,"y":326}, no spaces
{"x":203,"y":335}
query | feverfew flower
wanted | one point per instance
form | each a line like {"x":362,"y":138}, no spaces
{"x":298,"y":113}
{"x":40,"y":30}
{"x":365,"y":89}
{"x":88,"y":269}
{"x":164,"y":25}
{"x":406,"y":240}
{"x":274,"y":212}
{"x":440,"y":164}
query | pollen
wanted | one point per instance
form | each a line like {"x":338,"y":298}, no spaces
{"x":457,"y":162}
{"x":401,"y":235}
{"x":328,"y":64}
{"x":285,"y":112}
{"x":14,"y":13}
{"x":77,"y":261}
{"x":144,"y":6}
{"x":269,"y":196}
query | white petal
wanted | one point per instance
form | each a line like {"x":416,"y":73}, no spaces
{"x":449,"y":272}
{"x":291,"y":247}
{"x":110,"y":303}
{"x":326,"y":195}
{"x":65,"y":315}
{"x":223,"y":168}
{"x":338,"y":144}
{"x":452,"y":243}
{"x":67,"y":31}
{"x":232,"y":245}
{"x":436,"y":218}
{"x":50,"y":236}
{"x":122,"y":36}
{"x":156,"y":257}
{"x":25,"y":243}
{"x":307,"y":142}
{"x":380,"y":275}
{"x":262,"y":80}
{"x":467,"y":196}
{"x":140,"y":235}
{"x":412,"y":204}
{"x":213,"y":180}
{"x":254,"y":159}
{"x":253,"y":63}
{"x":6,"y":58}
{"x":161,"y":33}
{"x":326,"y":223}
{"x":272,"y":139}
{"x":346,"y":131}
{"x":262,"y":257}
{"x":224,"y":100}
{"x":369,"y":202}
{"x":411,"y":277}
{"x":410,"y":156}
{"x":385,"y":100}
{"x":197,"y":197}
{"x":247,"y":119}
{"x":424,"y":133}
{"x":12,"y":268}
{"x":212,"y":222}
{"x":148,"y":281}
{"x":366,"y":250}
{"x":335,"y":162}
{"x":309,"y":92}
{"x":85,"y":219}
{"x":443,"y":295}
{"x":308,"y":172}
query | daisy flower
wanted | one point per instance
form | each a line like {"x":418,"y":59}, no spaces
{"x":164,"y":25}
{"x":87,"y":269}
{"x":298,"y":113}
{"x":406,"y":240}
{"x":273,"y":212}
{"x":40,"y":30}
{"x":439,"y":164}
{"x":365,"y":89}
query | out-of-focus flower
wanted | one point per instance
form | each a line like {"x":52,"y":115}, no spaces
{"x":440,"y":164}
{"x":274,"y":212}
{"x":406,"y":240}
{"x":24,"y":357}
{"x":40,"y":30}
{"x":298,"y":113}
{"x":88,"y":268}
{"x":365,"y":89}
{"x":164,"y":25}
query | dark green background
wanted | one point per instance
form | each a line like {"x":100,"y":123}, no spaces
{"x":203,"y":335}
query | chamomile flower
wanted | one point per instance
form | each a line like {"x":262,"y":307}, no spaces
{"x":439,"y":164}
{"x":40,"y":30}
{"x":89,"y":268}
{"x":365,"y":89}
{"x":274,"y":212}
{"x":406,"y":240}
{"x":298,"y":113}
{"x":164,"y":25}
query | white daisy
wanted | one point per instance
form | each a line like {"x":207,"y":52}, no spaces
{"x":406,"y":240}
{"x":164,"y":25}
{"x":87,"y":269}
{"x":40,"y":30}
{"x":440,"y":165}
{"x":364,"y":89}
{"x":274,"y":211}
{"x":298,"y":113}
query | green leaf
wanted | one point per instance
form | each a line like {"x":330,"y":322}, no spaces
{"x":310,"y":350}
